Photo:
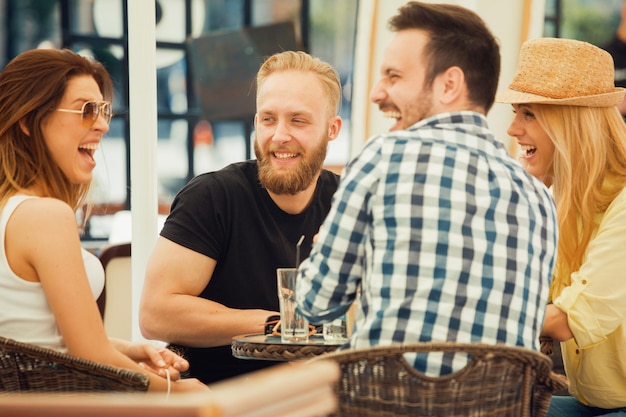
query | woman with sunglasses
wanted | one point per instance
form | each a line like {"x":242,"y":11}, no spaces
{"x":54,"y":109}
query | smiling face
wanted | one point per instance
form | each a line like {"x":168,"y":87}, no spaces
{"x":293,"y":126}
{"x":401,"y":92}
{"x":71,"y":144}
{"x":536,"y":147}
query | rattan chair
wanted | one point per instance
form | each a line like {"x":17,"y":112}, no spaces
{"x":28,"y":368}
{"x":498,"y":381}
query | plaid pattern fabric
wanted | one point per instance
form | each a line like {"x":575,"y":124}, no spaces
{"x":447,"y":237}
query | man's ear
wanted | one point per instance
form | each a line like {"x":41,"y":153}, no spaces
{"x":451,"y":85}
{"x":24,"y":128}
{"x":334,"y":126}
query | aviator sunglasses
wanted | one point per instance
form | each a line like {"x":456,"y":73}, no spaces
{"x":90,"y":112}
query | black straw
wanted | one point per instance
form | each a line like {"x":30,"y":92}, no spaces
{"x":298,"y":251}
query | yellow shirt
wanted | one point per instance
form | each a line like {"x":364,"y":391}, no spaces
{"x":595,"y":304}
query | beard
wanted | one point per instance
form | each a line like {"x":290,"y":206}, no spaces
{"x":420,"y":109}
{"x":423,"y":108}
{"x":294,"y":180}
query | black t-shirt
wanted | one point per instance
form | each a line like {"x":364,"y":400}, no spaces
{"x":228,"y":216}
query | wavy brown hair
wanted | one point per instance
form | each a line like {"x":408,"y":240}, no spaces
{"x":31,"y":88}
{"x":589,"y":172}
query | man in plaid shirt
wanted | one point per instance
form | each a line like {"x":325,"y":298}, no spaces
{"x":443,"y":234}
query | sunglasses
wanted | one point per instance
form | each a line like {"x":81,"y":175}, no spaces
{"x":90,"y":112}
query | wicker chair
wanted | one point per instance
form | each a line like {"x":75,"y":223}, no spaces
{"x":498,"y":381}
{"x":28,"y":368}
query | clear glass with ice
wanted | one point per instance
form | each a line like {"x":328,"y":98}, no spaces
{"x":293,"y":327}
{"x":336,"y":330}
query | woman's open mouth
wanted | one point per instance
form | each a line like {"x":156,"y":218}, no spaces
{"x":527,"y":150}
{"x":88,"y":149}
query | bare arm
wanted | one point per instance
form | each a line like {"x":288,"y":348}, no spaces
{"x":555,"y":324}
{"x":47,"y":249}
{"x":171,"y":310}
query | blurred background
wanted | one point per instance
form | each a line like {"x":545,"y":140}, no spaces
{"x":207,"y":54}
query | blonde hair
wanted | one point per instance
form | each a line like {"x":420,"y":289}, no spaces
{"x":31,"y":88}
{"x":301,"y":61}
{"x":589,"y":172}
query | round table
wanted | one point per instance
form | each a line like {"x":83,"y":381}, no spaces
{"x":267,"y":347}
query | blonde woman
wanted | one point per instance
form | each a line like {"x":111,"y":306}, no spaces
{"x":571,"y":136}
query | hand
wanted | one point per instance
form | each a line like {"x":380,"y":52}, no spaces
{"x":189,"y":385}
{"x":555,"y":324}
{"x":315,"y":235}
{"x":157,"y":360}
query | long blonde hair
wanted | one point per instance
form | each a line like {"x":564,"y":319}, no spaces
{"x":589,"y":172}
{"x":31,"y":88}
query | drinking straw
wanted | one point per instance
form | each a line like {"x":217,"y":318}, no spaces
{"x":298,"y":251}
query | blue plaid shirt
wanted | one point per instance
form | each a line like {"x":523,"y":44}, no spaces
{"x":446,"y":237}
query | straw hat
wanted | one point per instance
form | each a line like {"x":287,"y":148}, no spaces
{"x":563,"y":72}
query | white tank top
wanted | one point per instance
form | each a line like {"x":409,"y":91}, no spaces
{"x":24,"y":311}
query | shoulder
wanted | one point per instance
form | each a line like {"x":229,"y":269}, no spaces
{"x":230,"y":174}
{"x":42,"y":225}
{"x":329,"y":177}
{"x":232,"y":178}
{"x":44,"y":219}
{"x":54,"y":209}
{"x":327,"y":185}
{"x":218,"y":190}
{"x":618,"y":205}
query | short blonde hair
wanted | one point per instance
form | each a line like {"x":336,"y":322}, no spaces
{"x":301,"y":61}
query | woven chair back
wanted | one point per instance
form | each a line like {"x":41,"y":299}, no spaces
{"x":497,"y":381}
{"x":28,"y":368}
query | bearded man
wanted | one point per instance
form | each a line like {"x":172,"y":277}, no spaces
{"x":212,"y":274}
